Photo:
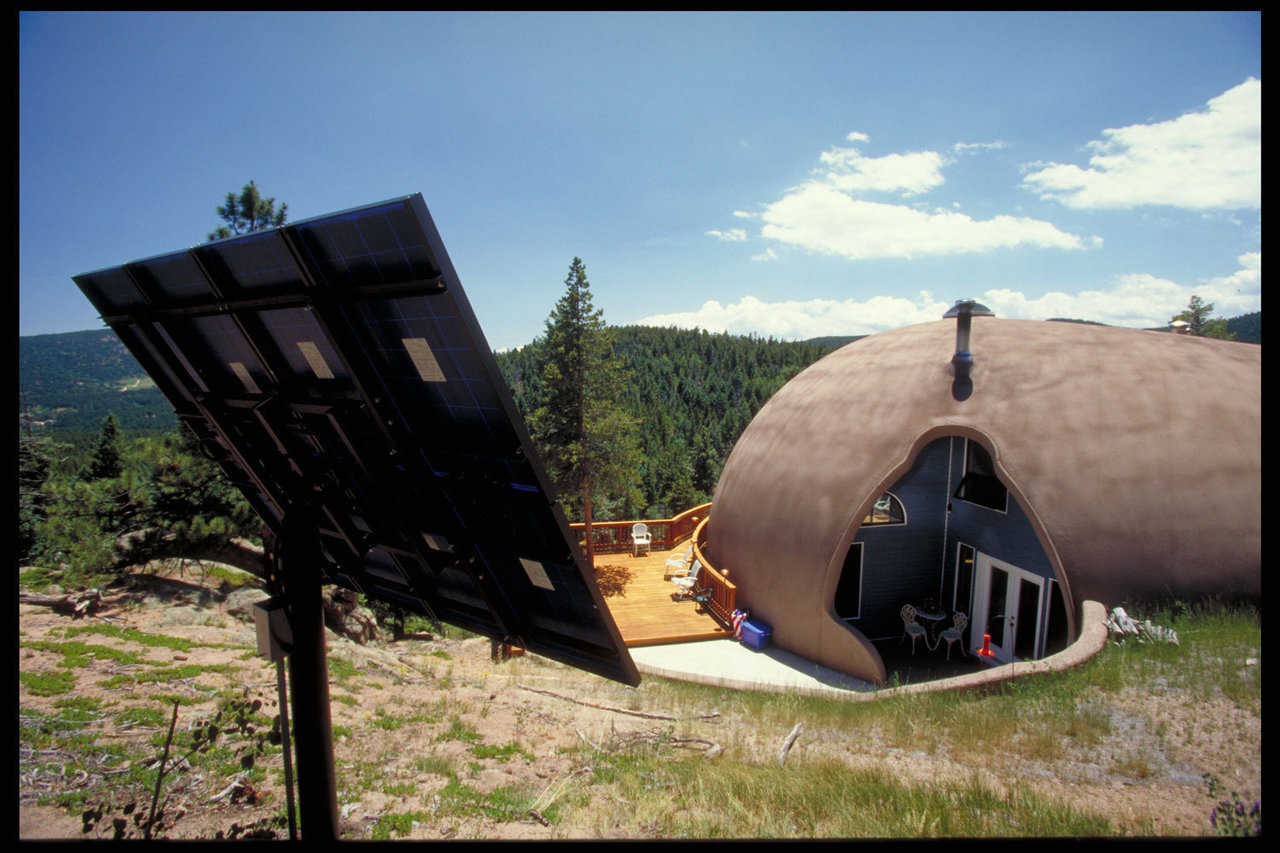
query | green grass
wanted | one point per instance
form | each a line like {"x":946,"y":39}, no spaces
{"x":38,"y":579}
{"x":1041,"y":718}
{"x":434,"y":764}
{"x":80,"y":707}
{"x":506,"y":803}
{"x":142,"y":716}
{"x":459,"y":730}
{"x":390,"y":722}
{"x":133,"y":635}
{"x":163,"y":674}
{"x":77,"y":654}
{"x":688,"y":798}
{"x":342,"y":670}
{"x":400,"y":824}
{"x":233,"y":578}
{"x":500,"y":753}
{"x":48,"y":683}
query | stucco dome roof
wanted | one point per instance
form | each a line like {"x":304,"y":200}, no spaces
{"x":1136,"y":455}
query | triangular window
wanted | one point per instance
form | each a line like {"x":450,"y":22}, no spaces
{"x":980,"y":484}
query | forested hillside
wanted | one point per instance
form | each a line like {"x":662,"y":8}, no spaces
{"x":693,"y":393}
{"x":1247,"y":327}
{"x":71,"y":382}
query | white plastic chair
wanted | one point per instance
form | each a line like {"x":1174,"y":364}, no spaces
{"x":639,"y":538}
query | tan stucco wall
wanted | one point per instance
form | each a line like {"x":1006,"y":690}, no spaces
{"x":1136,"y":455}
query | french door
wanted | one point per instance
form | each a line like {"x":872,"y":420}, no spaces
{"x":1007,"y":603}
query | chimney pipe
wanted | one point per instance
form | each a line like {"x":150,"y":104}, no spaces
{"x":962,"y":361}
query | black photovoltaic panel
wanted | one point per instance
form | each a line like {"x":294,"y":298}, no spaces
{"x":333,"y":367}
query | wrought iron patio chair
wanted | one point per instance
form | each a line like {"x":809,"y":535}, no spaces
{"x":955,"y":634}
{"x":912,"y":628}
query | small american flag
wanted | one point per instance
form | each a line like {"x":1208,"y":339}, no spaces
{"x":738,"y":617}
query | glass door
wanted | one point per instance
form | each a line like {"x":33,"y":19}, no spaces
{"x":1007,"y":605}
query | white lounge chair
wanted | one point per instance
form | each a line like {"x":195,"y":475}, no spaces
{"x":678,"y":565}
{"x":688,"y":581}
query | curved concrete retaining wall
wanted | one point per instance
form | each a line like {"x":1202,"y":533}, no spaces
{"x":1093,"y":636}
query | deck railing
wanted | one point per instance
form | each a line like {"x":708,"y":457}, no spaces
{"x":612,"y":537}
{"x":615,"y":536}
{"x":724,"y":593}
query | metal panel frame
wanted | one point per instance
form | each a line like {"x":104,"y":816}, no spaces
{"x":269,"y":443}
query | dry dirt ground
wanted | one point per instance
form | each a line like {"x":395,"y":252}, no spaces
{"x":420,"y":725}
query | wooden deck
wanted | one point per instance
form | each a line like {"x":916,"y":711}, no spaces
{"x":643,"y":609}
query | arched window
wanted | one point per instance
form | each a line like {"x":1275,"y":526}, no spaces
{"x":886,"y":510}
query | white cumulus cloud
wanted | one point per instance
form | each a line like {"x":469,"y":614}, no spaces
{"x":829,"y":215}
{"x":733,"y":235}
{"x":821,"y":218}
{"x":802,"y":319}
{"x":1137,"y":300}
{"x":911,"y":173}
{"x":1140,"y":300}
{"x":1202,"y":160}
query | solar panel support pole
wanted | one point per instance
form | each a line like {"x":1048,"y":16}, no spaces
{"x":309,"y":678}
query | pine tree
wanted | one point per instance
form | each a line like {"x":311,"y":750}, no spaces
{"x":1200,"y":324}
{"x":248,"y":212}
{"x":105,"y":464}
{"x":588,"y":440}
{"x":33,"y":471}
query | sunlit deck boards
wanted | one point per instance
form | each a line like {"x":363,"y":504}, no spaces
{"x":644,"y":612}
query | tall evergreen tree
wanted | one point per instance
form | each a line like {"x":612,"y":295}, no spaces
{"x":106,"y":464}
{"x":1196,"y":316}
{"x":248,"y":212}
{"x":33,"y":470}
{"x":587,"y":439}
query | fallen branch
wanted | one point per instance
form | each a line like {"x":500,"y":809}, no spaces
{"x":237,"y":782}
{"x":713,"y":749}
{"x":645,"y":714}
{"x":77,"y":604}
{"x":710,"y":749}
{"x":789,"y":742}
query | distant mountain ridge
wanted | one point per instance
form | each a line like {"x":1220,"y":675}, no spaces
{"x":72,"y":381}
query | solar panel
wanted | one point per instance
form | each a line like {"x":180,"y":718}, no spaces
{"x":334,"y":366}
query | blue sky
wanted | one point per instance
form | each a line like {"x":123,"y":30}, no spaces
{"x":792,"y":175}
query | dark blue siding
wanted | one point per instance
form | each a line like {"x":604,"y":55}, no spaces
{"x":902,"y":563}
{"x":916,"y":561}
{"x":1007,"y":536}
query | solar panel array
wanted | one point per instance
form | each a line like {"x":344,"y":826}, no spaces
{"x":334,"y":367}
